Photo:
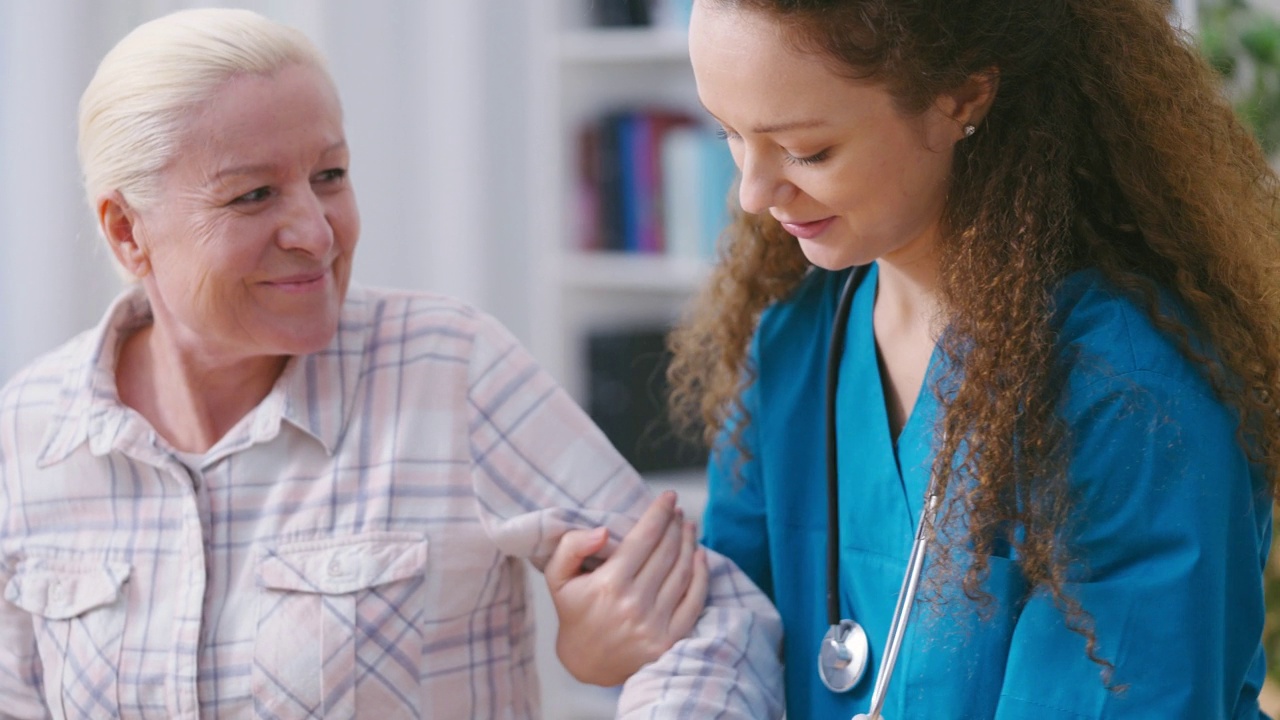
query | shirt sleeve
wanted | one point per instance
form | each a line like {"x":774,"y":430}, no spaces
{"x":1169,"y":539}
{"x":541,"y":468}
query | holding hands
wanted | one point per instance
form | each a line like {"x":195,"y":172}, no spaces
{"x":621,"y":613}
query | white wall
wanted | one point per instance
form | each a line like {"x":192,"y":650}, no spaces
{"x":51,"y":281}
{"x":1186,"y":11}
{"x":433,"y":95}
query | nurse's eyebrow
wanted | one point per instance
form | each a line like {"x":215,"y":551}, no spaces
{"x":786,"y":126}
{"x":774,"y":127}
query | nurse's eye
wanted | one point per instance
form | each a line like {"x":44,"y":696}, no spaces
{"x":813,"y":159}
{"x":256,"y":195}
{"x":727,"y":134}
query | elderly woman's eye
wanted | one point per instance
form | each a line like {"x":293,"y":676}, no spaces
{"x":253,"y":196}
{"x":332,"y":175}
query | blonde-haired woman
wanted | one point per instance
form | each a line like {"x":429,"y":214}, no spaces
{"x":257,"y":491}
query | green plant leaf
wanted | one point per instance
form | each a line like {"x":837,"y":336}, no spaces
{"x":1262,"y":41}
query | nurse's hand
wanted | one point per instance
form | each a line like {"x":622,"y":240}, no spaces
{"x":629,"y":609}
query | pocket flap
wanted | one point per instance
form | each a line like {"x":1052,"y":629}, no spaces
{"x":62,"y":589}
{"x":334,"y":566}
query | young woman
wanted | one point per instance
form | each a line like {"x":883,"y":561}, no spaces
{"x":1065,"y":328}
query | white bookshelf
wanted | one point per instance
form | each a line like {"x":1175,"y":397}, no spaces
{"x":576,"y":74}
{"x":579,"y":73}
{"x":602,"y":272}
{"x":604,"y":46}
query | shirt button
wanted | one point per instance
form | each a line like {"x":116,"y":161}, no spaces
{"x":57,"y":593}
{"x":335,"y":567}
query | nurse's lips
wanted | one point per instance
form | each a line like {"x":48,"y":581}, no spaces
{"x":807,"y":230}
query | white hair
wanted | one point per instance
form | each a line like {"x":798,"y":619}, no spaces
{"x":132,"y":113}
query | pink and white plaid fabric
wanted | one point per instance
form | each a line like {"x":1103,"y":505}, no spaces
{"x":352,"y":548}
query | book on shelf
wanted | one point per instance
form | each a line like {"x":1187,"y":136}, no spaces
{"x":654,"y":182}
{"x":698,"y":181}
{"x":626,"y":397}
{"x":620,"y":13}
{"x":640,"y":13}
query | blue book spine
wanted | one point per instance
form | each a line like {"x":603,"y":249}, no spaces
{"x":718,"y":173}
{"x":681,"y":180}
{"x":645,"y":165}
{"x":610,"y":191}
{"x":629,"y":148}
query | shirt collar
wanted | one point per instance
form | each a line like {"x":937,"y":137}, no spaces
{"x":315,"y":393}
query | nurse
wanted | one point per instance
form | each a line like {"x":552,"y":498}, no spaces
{"x":1068,"y":321}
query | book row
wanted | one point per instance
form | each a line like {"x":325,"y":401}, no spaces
{"x":653,"y":181}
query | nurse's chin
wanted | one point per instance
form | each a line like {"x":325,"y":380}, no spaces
{"x":831,"y":256}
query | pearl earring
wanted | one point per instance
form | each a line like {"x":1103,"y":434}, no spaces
{"x":970,"y":129}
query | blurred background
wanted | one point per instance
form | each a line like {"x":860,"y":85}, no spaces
{"x":545,"y":160}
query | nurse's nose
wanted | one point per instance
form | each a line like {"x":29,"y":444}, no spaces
{"x":306,"y":226}
{"x":763,"y":185}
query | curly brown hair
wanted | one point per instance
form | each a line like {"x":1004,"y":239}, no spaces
{"x":1108,"y":146}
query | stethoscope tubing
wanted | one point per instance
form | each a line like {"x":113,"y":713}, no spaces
{"x":915,"y":562}
{"x":834,"y":353}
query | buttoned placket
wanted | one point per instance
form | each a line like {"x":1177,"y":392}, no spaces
{"x":181,"y":696}
{"x":189,"y":622}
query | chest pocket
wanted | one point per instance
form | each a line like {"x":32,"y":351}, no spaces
{"x":78,"y":614}
{"x":340,"y":627}
{"x":957,"y":651}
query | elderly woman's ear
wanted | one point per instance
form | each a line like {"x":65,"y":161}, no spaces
{"x":116,"y":219}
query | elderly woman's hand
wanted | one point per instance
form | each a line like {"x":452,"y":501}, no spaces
{"x":625,"y":613}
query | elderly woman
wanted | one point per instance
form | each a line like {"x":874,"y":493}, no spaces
{"x":253,"y":491}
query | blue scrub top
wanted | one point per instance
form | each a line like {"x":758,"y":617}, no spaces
{"x":1172,"y":534}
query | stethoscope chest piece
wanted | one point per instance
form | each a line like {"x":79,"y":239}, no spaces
{"x":842,"y":659}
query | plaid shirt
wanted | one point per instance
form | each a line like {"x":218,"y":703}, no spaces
{"x":352,"y":548}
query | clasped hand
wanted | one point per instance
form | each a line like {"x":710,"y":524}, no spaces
{"x":626,"y":611}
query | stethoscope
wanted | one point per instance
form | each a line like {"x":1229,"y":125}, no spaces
{"x":842,"y":657}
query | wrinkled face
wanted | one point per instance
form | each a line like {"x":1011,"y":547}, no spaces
{"x":249,"y":243}
{"x":831,"y":158}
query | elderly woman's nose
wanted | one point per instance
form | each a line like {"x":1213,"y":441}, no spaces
{"x":306,"y":225}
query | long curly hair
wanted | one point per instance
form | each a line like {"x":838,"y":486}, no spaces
{"x":1108,"y":146}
